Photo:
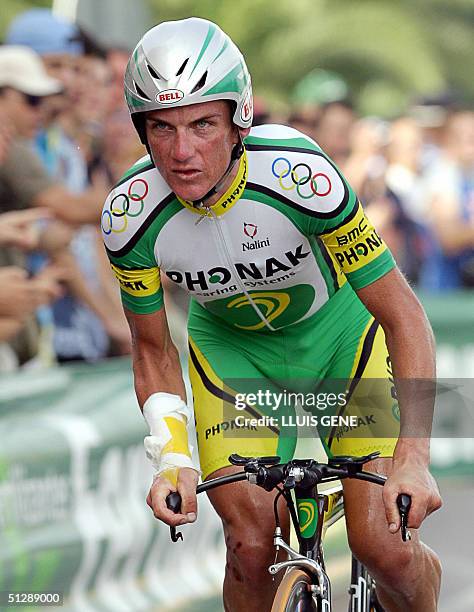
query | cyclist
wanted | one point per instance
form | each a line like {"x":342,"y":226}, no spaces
{"x":289,"y":282}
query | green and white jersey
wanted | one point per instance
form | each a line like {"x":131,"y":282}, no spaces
{"x":280,"y":243}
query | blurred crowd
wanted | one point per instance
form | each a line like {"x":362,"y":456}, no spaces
{"x":415,"y":177}
{"x":66,"y":138}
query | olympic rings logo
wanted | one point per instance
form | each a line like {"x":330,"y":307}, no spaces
{"x":122,"y":206}
{"x":299,"y":176}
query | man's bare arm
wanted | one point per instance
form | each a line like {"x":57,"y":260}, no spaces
{"x":411,"y":347}
{"x":156,"y":364}
{"x":72,"y":208}
{"x":156,"y":368}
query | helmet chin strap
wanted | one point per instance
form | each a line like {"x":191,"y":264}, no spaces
{"x":236,"y":154}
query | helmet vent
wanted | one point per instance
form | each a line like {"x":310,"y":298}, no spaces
{"x":141,"y":93}
{"x":183,"y":66}
{"x":153,"y":72}
{"x":200,"y":83}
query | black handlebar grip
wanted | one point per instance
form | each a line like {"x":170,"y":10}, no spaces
{"x":173,"y":501}
{"x":404,"y":504}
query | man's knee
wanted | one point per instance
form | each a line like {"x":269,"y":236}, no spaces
{"x":247,"y":517}
{"x":249,"y":541}
{"x":384,"y":557}
{"x":248,"y":558}
{"x":395,"y":563}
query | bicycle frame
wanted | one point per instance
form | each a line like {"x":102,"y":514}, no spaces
{"x":315,"y":512}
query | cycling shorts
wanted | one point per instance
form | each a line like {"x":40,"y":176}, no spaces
{"x":339,"y":352}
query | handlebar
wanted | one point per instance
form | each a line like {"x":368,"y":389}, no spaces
{"x":268,"y":473}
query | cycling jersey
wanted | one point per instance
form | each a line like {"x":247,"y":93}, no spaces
{"x":271,"y":269}
{"x":285,"y":237}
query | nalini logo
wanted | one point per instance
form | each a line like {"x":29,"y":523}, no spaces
{"x":250,"y":229}
{"x":169,"y":96}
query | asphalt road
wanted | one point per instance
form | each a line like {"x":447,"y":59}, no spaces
{"x":449,"y":532}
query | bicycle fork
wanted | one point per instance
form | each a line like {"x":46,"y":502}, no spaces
{"x":311,"y":507}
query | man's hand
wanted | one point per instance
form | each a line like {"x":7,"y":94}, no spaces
{"x":22,"y":294}
{"x":411,"y":477}
{"x":18,"y":228}
{"x":47,"y":284}
{"x":162,"y":486}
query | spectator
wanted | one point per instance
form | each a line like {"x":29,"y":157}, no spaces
{"x":366,"y":161}
{"x":117,"y":60}
{"x":86,"y":119}
{"x":21,"y":295}
{"x":367,"y":170}
{"x":120,"y":147}
{"x":305,"y":119}
{"x":334,"y":128}
{"x":6,"y":135}
{"x":23,"y":180}
{"x":23,"y":86}
{"x":313,"y":93}
{"x":82,"y":326}
{"x":403,"y":176}
{"x":450,"y":197}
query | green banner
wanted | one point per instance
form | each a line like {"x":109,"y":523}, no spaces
{"x":73,"y":484}
{"x":452,"y":318}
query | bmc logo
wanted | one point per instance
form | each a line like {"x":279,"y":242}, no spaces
{"x":169,"y":96}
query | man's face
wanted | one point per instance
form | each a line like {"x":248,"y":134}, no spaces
{"x":460,"y":139}
{"x":23,"y":112}
{"x":192,"y":145}
{"x":65,"y":68}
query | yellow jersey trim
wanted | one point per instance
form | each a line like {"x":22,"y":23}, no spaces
{"x":138,"y":283}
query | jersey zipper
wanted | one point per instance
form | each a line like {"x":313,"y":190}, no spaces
{"x":217,"y":221}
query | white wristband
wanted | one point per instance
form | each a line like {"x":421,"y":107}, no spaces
{"x":159,"y":405}
{"x":155,"y":409}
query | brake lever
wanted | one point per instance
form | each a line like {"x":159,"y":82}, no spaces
{"x":404,"y":504}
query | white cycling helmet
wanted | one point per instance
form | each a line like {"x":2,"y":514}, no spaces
{"x":178,"y":63}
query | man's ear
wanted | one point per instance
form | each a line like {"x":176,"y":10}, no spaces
{"x":244,"y":132}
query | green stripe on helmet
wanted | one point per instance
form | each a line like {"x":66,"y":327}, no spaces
{"x":210,"y":33}
{"x":230,"y":82}
{"x":135,"y":56}
{"x":224,"y":47}
{"x":133,"y":100}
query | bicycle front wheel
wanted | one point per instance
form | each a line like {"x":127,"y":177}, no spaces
{"x":293,"y":594}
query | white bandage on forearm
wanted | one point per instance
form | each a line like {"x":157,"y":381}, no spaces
{"x":167,"y":445}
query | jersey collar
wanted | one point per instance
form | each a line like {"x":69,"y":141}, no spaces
{"x":230,"y":197}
